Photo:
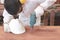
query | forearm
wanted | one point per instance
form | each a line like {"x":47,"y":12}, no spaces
{"x":7,"y":16}
{"x":47,"y":4}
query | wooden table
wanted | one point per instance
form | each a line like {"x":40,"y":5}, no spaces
{"x":39,"y":33}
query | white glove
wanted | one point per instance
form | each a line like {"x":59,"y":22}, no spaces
{"x":39,"y":11}
{"x":6,"y":28}
{"x":2,"y":1}
{"x":16,"y":26}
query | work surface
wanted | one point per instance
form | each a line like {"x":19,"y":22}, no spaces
{"x":39,"y":33}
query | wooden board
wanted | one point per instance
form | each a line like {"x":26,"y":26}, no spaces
{"x":39,"y":33}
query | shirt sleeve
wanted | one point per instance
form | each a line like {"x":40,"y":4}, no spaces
{"x":47,"y":4}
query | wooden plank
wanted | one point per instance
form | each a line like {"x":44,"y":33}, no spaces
{"x":35,"y":35}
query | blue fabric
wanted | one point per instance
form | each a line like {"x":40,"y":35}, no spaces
{"x":32,"y":19}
